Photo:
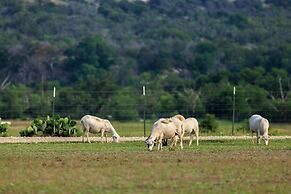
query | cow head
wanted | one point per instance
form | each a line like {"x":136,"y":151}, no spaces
{"x":115,"y":138}
{"x":150,"y":143}
{"x":266,"y":139}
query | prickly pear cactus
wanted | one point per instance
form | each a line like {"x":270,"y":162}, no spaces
{"x":52,"y":126}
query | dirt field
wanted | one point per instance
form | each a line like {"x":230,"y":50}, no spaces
{"x":217,"y":166}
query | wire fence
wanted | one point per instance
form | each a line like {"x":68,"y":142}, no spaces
{"x":134,"y":105}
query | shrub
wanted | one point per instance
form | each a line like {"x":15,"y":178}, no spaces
{"x":209,"y":123}
{"x":3,"y":129}
{"x":28,"y":132}
{"x":57,"y":126}
{"x":244,"y":126}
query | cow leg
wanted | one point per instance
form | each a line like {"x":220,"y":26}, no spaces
{"x":258,"y":137}
{"x":82,"y":137}
{"x":252,"y":137}
{"x":173,"y":143}
{"x":86,"y":130}
{"x":106,"y":140}
{"x":87,"y":134}
{"x":102,"y":134}
{"x":197,"y":138}
{"x":161,"y":144}
{"x":191,"y":139}
{"x":175,"y":140}
{"x":181,"y":140}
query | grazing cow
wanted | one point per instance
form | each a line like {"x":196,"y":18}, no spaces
{"x":191,"y":126}
{"x":178,"y":117}
{"x":260,"y":126}
{"x":165,"y":129}
{"x":94,"y":124}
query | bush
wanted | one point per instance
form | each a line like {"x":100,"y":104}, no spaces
{"x":3,"y":129}
{"x":209,"y":123}
{"x":244,"y":127}
{"x":57,"y":126}
{"x":28,"y":132}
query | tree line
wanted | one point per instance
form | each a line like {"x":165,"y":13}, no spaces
{"x":188,"y":54}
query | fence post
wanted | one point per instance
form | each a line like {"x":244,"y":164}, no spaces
{"x":54,"y":95}
{"x":144,"y":111}
{"x":233,"y":110}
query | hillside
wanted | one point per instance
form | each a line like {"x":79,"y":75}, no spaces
{"x":176,"y":45}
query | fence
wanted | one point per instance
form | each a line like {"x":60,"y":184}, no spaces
{"x":133,"y":105}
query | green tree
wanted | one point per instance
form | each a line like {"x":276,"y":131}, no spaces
{"x":205,"y":54}
{"x":74,"y":103}
{"x":123,"y":105}
{"x":218,"y":99}
{"x":166,"y":104}
{"x":209,"y":123}
{"x":13,"y":101}
{"x":4,"y":56}
{"x":92,"y":50}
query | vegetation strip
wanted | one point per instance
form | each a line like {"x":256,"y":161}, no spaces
{"x":122,"y":139}
{"x":187,"y":54}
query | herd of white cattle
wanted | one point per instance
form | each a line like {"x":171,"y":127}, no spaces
{"x":172,"y":128}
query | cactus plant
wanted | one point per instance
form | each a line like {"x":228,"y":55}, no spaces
{"x":3,"y":129}
{"x":56,"y":126}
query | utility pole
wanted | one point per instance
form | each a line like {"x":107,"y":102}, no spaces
{"x":144,"y":110}
{"x":233,"y":110}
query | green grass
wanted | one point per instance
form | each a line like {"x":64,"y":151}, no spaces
{"x":129,"y":128}
{"x":225,"y":128}
{"x":136,"y":128}
{"x":213,"y":167}
{"x":132,"y":128}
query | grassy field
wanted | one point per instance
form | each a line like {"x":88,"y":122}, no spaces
{"x":213,"y":167}
{"x":136,"y":128}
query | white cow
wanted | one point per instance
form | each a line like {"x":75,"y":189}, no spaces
{"x":165,"y":129}
{"x":260,"y":126}
{"x":94,"y":124}
{"x":177,"y":118}
{"x":191,"y":127}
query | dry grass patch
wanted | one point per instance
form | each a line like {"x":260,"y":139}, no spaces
{"x":214,"y":167}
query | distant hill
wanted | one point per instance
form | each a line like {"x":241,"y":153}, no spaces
{"x":189,"y":37}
